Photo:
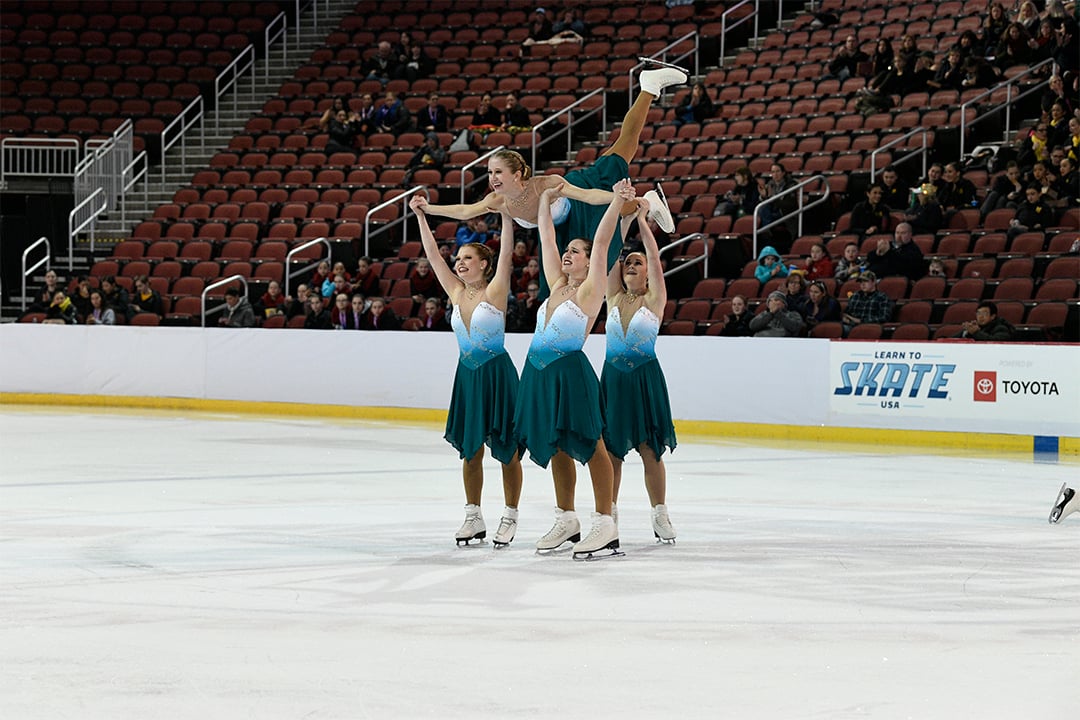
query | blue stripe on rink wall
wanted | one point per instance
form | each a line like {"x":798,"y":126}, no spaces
{"x":1045,"y":448}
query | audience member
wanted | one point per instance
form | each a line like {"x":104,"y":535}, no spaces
{"x":884,"y":261}
{"x":867,"y":304}
{"x":434,"y":317}
{"x":1057,"y":127}
{"x":776,"y":320}
{"x":1027,"y":18}
{"x":342,"y":127}
{"x":569,"y":19}
{"x":1006,"y":191}
{"x":320,"y":275}
{"x":957,"y":192}
{"x":795,"y":292}
{"x":978,"y":74}
{"x":61,"y":310}
{"x":849,"y":265}
{"x":1035,"y":147}
{"x":779,"y":181}
{"x":1068,"y":183}
{"x":1066,"y":53}
{"x":272,"y":302}
{"x":366,"y":117}
{"x":43,"y":298}
{"x":529,"y":274}
{"x":993,"y":27}
{"x":515,"y":117}
{"x":115,"y":296}
{"x":381,"y":317}
{"x":737,"y":322}
{"x":987,"y":326}
{"x":937,"y":268}
{"x":100,"y":312}
{"x":1032,"y":214}
{"x":697,"y":106}
{"x":741,"y":199}
{"x":846,"y":59}
{"x":949,"y":73}
{"x":392,"y":116}
{"x":871,"y":216}
{"x":300,"y":305}
{"x":540,"y":27}
{"x":769,"y":265}
{"x":528,"y":307}
{"x":366,"y":280}
{"x":882,"y":59}
{"x":895,"y":195}
{"x":357,"y":310}
{"x":819,"y":265}
{"x":146,"y":299}
{"x":423,"y":282}
{"x":1014,"y":48}
{"x":473,"y":230}
{"x":820,"y":306}
{"x":1054,"y":92}
{"x":419,"y":65}
{"x":433,"y":118}
{"x":925,"y":214}
{"x":430,"y":156}
{"x":237,"y":312}
{"x":317,"y":316}
{"x":80,"y":297}
{"x":486,"y":119}
{"x":338,"y":286}
{"x":340,"y":312}
{"x":381,"y":66}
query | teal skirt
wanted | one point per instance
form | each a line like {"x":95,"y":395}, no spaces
{"x":482,"y":409}
{"x":558,"y":408}
{"x":637,"y":409}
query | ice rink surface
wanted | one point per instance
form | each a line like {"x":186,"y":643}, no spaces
{"x":157,"y":565}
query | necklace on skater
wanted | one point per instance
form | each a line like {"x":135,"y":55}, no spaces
{"x":473,"y":290}
{"x":631,"y":296}
{"x":523,"y":198}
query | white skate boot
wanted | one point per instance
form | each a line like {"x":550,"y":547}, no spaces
{"x":661,"y":525}
{"x":654,"y":81}
{"x":507,"y":528}
{"x":658,"y":209}
{"x":567,"y":528}
{"x":473,"y":528}
{"x":1067,"y":502}
{"x":601,"y":542}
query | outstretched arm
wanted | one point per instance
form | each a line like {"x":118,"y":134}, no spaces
{"x":657,"y":287}
{"x":500,"y":283}
{"x":614,"y":281}
{"x":592,"y":196}
{"x":549,"y":247}
{"x":464,"y":212}
{"x":589,"y":292}
{"x":451,"y":285}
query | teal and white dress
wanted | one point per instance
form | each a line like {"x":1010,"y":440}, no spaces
{"x":485,"y":387}
{"x":558,"y":406}
{"x":633,"y":391}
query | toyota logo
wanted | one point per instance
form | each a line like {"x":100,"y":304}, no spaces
{"x":985,"y":386}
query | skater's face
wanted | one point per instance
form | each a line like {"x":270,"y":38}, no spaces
{"x":501,"y":177}
{"x":635,"y":272}
{"x":576,"y":259}
{"x":470,"y":266}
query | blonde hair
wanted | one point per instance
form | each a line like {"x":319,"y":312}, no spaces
{"x":515,"y":162}
{"x":485,"y":253}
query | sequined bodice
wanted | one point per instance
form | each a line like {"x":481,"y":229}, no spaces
{"x":560,"y":210}
{"x":483,"y":339}
{"x":638,"y":345}
{"x":564,"y":334}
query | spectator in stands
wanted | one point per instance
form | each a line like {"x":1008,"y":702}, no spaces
{"x":540,"y":28}
{"x":1043,"y":42}
{"x":237,"y":312}
{"x":987,"y":326}
{"x":434,"y":117}
{"x":884,"y":261}
{"x":1006,"y":191}
{"x":737,"y":322}
{"x":528,"y":306}
{"x":339,"y":285}
{"x":1068,"y":183}
{"x":100,"y":313}
{"x":993,"y":27}
{"x":867,"y":304}
{"x":1045,"y":179}
{"x":569,"y":19}
{"x":882,"y":59}
{"x":978,"y":74}
{"x":383,"y":65}
{"x":894,"y":194}
{"x":320,"y":275}
{"x":1027,"y":18}
{"x":366,"y":280}
{"x":381,"y":317}
{"x":1034,"y":148}
{"x":969,"y":44}
{"x":912,"y":262}
{"x":770,"y":265}
{"x":1014,"y":48}
{"x":430,"y":156}
{"x":80,"y":297}
{"x":779,"y":181}
{"x":795,"y":292}
{"x":61,"y":310}
{"x":741,"y":199}
{"x":434,"y":317}
{"x":115,"y":296}
{"x":485,"y":118}
{"x":777,"y":320}
{"x":937,"y":268}
{"x":272,"y":302}
{"x":515,"y":117}
{"x":473,"y":230}
{"x":1066,"y":51}
{"x":318,"y":318}
{"x":419,"y":65}
{"x":949,"y":74}
{"x":819,"y":265}
{"x":697,"y":106}
{"x":1055,"y":92}
{"x":520,"y":256}
{"x":403,"y":47}
{"x":299,"y":305}
{"x":849,"y":265}
{"x":934,"y":177}
{"x":339,"y":314}
{"x":1032,"y":214}
{"x":366,"y":116}
{"x":1072,"y":147}
{"x":1056,"y":9}
{"x":342,"y":127}
{"x":146,"y":299}
{"x":392,"y":116}
{"x":44,"y":296}
{"x":820,"y":306}
{"x":357,"y":310}
{"x":908,"y":49}
{"x":423,"y":282}
{"x":925,"y":213}
{"x":529,"y":274}
{"x":846,"y":59}
{"x":1057,"y":127}
{"x":957,"y":192}
{"x":871,"y":216}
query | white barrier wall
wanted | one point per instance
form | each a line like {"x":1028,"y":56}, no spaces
{"x":1014,"y":389}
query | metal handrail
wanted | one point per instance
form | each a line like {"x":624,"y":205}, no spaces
{"x":143,"y":160}
{"x":404,"y":197}
{"x":798,"y":211}
{"x":275,"y":29}
{"x":170,"y":136}
{"x":98,"y":194}
{"x":470,"y":164}
{"x":229,"y":78}
{"x":569,"y":112}
{"x":724,"y":27}
{"x":1007,"y":105}
{"x":692,"y":262}
{"x":925,"y":151}
{"x":662,"y":54}
{"x":217,"y":284}
{"x":288,"y":259}
{"x":43,"y":261}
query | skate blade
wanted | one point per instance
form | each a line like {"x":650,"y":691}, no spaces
{"x":498,"y":545}
{"x":663,"y":541}
{"x":1059,"y":504}
{"x":601,"y":554}
{"x":467,"y":542}
{"x":562,"y":549}
{"x":661,"y":63}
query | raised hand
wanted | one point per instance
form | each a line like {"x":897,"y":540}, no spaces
{"x":418,"y":203}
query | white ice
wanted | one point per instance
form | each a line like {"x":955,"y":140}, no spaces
{"x":159,"y":565}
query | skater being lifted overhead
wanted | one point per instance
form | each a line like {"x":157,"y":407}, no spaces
{"x":633,"y":391}
{"x":558,"y":409}
{"x":486,"y":382}
{"x":580,"y":203}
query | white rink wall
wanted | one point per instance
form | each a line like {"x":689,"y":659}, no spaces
{"x":956,"y":387}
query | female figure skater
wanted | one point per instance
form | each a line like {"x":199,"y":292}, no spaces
{"x":558,"y":414}
{"x":486,"y":382}
{"x":579,"y":205}
{"x":633,"y":392}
